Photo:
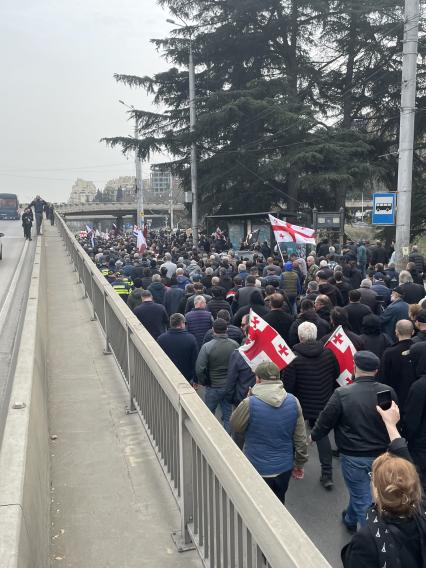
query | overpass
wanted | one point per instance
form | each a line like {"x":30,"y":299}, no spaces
{"x":110,"y":458}
{"x":116,"y":209}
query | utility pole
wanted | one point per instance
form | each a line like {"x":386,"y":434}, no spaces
{"x":139,"y":184}
{"x":192,"y":123}
{"x":140,"y":215}
{"x":406,"y":133}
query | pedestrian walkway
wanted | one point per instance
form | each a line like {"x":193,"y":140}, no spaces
{"x":111,"y":505}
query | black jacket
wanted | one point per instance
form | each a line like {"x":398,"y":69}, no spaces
{"x":413,"y":293}
{"x":217,"y":304}
{"x":332,"y":292}
{"x":281,"y":321}
{"x":418,"y":260}
{"x":358,"y":427}
{"x":396,"y":369}
{"x":322,"y":326}
{"x":181,"y":346}
{"x":153,"y":317}
{"x":356,"y":313}
{"x":311,"y":377}
{"x":415,"y":421}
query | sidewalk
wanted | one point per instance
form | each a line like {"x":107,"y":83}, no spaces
{"x":111,"y":505}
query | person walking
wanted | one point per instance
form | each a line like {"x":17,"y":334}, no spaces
{"x":274,"y":428}
{"x":356,"y":311}
{"x":199,"y":320}
{"x":397,"y":310}
{"x":38,"y":203}
{"x":311,"y":377}
{"x":212,"y":370}
{"x":360,"y":433}
{"x":27,"y":223}
{"x":152,"y":316}
{"x":180,"y":346}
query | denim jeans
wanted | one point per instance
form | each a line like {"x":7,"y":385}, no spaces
{"x":355,"y":473}
{"x":215,"y":397}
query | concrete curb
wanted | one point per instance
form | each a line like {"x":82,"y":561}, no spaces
{"x":24,"y":456}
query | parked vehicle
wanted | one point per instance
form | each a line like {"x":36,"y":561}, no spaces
{"x":9,"y":206}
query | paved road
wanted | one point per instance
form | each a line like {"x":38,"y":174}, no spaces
{"x":15,"y":273}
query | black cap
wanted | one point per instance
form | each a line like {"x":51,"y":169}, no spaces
{"x":399,"y":290}
{"x":421,"y":316}
{"x":220,"y":326}
{"x":378,"y":276}
{"x":366,"y":361}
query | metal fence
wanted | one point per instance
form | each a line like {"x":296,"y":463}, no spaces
{"x":227,"y":511}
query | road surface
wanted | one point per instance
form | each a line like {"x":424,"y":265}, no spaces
{"x":15,"y":273}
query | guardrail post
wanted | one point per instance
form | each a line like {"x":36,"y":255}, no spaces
{"x":130,"y":368}
{"x":182,"y":539}
{"x":93,"y":318}
{"x":107,"y":350}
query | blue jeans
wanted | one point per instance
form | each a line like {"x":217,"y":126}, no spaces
{"x":213,"y":398}
{"x":355,"y":473}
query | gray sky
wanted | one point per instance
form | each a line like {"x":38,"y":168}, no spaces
{"x":58,"y":96}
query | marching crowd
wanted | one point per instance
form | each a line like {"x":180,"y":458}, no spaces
{"x":196,"y":302}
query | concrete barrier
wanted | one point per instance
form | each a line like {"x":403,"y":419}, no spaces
{"x":24,"y":456}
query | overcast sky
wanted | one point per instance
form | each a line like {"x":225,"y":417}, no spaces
{"x":58,"y":95}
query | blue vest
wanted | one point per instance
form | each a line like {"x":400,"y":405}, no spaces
{"x":269,"y":436}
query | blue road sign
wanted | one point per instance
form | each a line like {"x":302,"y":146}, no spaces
{"x":384,"y":205}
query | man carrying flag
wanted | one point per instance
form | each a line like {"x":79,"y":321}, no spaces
{"x":311,"y":377}
{"x":140,"y":242}
{"x":265,"y":344}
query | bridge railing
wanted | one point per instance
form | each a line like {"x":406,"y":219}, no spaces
{"x":227,"y":511}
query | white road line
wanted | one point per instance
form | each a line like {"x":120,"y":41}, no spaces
{"x":12,"y":287}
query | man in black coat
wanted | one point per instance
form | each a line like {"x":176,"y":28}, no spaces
{"x":415,"y":411}
{"x":418,"y":260}
{"x":359,"y":431}
{"x":311,"y":377}
{"x":420,"y":327}
{"x":180,"y":346}
{"x":152,"y":316}
{"x":277,"y":318}
{"x":379,"y":254}
{"x":307,"y":313}
{"x":356,"y":311}
{"x":396,"y":369}
{"x":327,"y":289}
{"x":413,"y":293}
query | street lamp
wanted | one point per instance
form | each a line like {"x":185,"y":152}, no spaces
{"x":140,"y":215}
{"x":192,"y":123}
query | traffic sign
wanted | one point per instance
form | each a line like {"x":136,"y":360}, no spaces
{"x":384,"y":206}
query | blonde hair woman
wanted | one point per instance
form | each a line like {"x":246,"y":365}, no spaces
{"x":395,"y":533}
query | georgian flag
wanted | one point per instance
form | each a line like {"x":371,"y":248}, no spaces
{"x":287,"y":233}
{"x":264,"y":344}
{"x":344,"y":351}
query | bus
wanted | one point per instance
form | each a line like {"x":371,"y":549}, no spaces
{"x":9,"y":206}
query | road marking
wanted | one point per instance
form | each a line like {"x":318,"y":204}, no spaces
{"x":12,"y":286}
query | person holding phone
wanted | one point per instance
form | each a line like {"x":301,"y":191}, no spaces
{"x":395,"y":530}
{"x":360,"y":433}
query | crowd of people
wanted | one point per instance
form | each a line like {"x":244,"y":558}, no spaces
{"x":196,"y":300}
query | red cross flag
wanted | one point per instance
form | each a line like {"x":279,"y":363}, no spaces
{"x":344,"y":351}
{"x":265,"y":344}
{"x":286,"y":233}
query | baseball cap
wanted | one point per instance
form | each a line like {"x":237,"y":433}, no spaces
{"x":267,"y":371}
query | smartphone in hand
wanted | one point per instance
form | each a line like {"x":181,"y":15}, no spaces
{"x":384,"y":399}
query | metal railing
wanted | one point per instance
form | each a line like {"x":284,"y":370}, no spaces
{"x":227,"y":511}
